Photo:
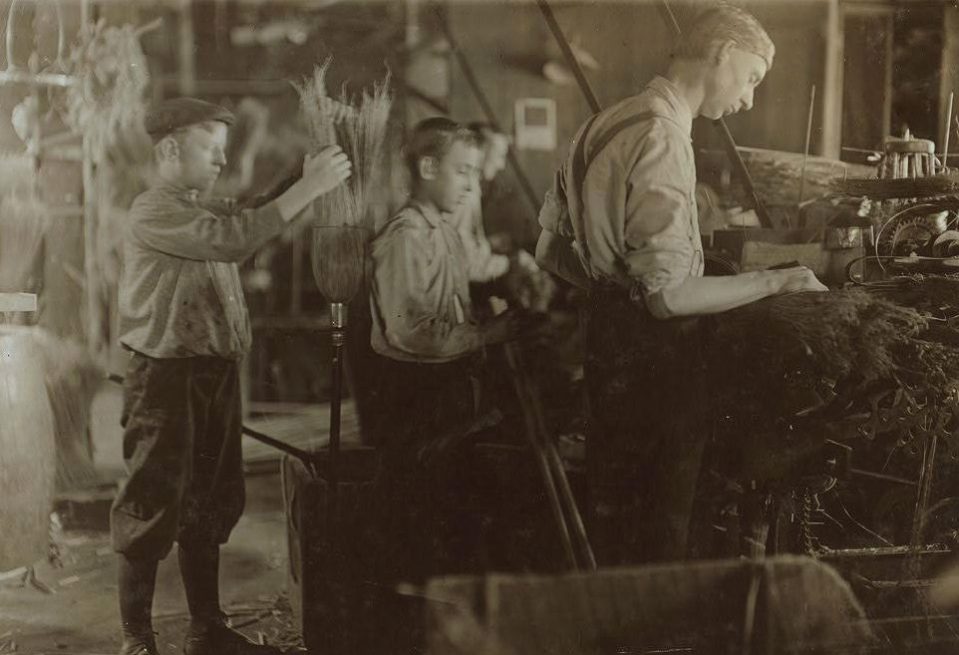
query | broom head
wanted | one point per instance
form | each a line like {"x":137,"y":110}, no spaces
{"x":339,"y":260}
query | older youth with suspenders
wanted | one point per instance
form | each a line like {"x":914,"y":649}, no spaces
{"x":621,"y":222}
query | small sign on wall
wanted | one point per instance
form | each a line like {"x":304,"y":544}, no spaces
{"x":535,"y":122}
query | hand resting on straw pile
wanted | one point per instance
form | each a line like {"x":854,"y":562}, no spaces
{"x":711,"y":295}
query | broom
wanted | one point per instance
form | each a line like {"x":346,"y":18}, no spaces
{"x":342,"y":226}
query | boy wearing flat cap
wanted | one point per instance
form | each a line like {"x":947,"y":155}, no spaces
{"x":184,"y":320}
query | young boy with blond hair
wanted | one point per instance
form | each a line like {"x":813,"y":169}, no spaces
{"x":184,"y":321}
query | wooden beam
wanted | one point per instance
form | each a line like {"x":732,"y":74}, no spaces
{"x":18,"y":302}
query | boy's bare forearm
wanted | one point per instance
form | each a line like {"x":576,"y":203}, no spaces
{"x":295,"y":199}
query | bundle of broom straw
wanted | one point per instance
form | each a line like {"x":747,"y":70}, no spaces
{"x":72,"y":377}
{"x":342,"y":219}
{"x":113,"y":75}
{"x":773,"y":359}
{"x":359,"y":128}
{"x":23,"y":222}
{"x":841,"y":332}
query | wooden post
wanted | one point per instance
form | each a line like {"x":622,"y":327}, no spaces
{"x":185,"y":51}
{"x":830,"y":144}
{"x":91,"y":287}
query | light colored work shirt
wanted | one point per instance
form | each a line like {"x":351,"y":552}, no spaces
{"x":483,"y":264}
{"x":639,"y":226}
{"x":420,"y":289}
{"x":180,"y":293}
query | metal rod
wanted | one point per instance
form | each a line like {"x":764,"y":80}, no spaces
{"x":425,"y":98}
{"x":533,"y":437}
{"x":805,"y":157}
{"x":308,"y":459}
{"x":945,"y":141}
{"x":338,"y":339}
{"x":739,"y":166}
{"x":570,"y":57}
{"x":573,"y":515}
{"x":487,"y":108}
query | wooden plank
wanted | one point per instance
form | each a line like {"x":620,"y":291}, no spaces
{"x":18,"y":302}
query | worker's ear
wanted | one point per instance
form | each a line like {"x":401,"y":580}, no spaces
{"x":428,"y":168}
{"x":721,"y":53}
{"x":167,"y":149}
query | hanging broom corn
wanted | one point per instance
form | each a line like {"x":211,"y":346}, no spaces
{"x":71,"y":377}
{"x":17,"y":175}
{"x":23,"y":222}
{"x":113,"y":76}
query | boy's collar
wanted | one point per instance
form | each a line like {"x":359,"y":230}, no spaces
{"x":180,"y":191}
{"x":431,"y":214}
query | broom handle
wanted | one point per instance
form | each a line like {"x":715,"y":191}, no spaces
{"x":338,"y":337}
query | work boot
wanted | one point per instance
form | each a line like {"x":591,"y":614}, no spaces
{"x":215,"y":638}
{"x":145,"y":645}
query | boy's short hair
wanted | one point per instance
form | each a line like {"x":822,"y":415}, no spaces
{"x":434,"y":137}
{"x":724,"y":23}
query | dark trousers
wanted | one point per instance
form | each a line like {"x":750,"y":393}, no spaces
{"x":181,"y":444}
{"x":646,"y":428}
{"x":424,"y":488}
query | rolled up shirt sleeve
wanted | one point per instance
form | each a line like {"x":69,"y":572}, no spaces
{"x":660,"y":253}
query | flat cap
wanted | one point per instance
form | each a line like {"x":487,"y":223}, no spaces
{"x":171,"y":115}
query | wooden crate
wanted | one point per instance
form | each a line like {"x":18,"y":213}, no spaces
{"x":776,"y":605}
{"x":325,"y":577}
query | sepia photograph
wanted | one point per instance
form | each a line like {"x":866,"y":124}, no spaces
{"x":479,"y":327}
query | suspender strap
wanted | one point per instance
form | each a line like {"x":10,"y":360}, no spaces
{"x":583,"y":160}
